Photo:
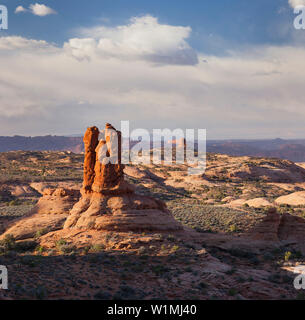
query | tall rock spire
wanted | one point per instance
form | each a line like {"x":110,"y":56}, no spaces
{"x":91,"y":142}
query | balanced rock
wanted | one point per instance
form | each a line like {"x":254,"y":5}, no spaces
{"x":108,"y":202}
{"x":49,"y":214}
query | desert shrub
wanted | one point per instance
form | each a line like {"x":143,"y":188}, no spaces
{"x":175,"y":248}
{"x":159,"y":269}
{"x":15,"y":202}
{"x":97,"y":248}
{"x":171,"y":237}
{"x":40,"y":249}
{"x":7,"y":244}
{"x":61,"y":242}
{"x":64,"y":247}
{"x":40,"y":233}
{"x":232,"y":292}
{"x":287,"y":255}
{"x":233,"y":228}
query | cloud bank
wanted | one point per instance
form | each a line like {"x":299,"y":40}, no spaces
{"x":47,"y":89}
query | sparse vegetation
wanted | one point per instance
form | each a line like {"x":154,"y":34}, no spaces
{"x":180,"y":268}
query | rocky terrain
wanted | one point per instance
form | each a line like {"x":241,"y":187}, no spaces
{"x":90,"y":231}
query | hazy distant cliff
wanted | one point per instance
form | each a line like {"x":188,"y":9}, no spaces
{"x":293,"y":150}
{"x":50,"y":143}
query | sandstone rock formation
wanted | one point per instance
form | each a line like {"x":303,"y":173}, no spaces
{"x":90,"y":142}
{"x":277,"y":227}
{"x":255,"y":203}
{"x":49,"y":214}
{"x":108,"y":202}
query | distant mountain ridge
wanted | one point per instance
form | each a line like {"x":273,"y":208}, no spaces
{"x":41,"y":143}
{"x":293,"y":150}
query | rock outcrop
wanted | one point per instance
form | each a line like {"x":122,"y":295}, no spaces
{"x":90,"y":142}
{"x":277,"y":227}
{"x":49,"y":214}
{"x":108,"y":202}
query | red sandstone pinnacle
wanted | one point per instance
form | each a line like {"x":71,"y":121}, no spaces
{"x":108,"y":175}
{"x":91,"y":142}
{"x":108,"y":202}
{"x":102,"y":176}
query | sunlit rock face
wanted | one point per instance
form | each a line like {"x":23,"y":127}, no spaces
{"x":108,"y":202}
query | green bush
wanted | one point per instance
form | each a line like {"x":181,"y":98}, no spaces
{"x":287,"y":256}
{"x":7,"y":244}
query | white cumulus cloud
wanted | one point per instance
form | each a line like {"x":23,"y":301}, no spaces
{"x":41,"y":10}
{"x":295,"y":3}
{"x":142,"y":38}
{"x":20,"y":9}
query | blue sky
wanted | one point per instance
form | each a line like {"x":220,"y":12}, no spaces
{"x":237,"y":22}
{"x":233,"y":67}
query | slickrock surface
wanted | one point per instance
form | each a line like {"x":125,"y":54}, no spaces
{"x":108,"y":202}
{"x":294,"y":199}
{"x":255,"y":203}
{"x":49,"y":214}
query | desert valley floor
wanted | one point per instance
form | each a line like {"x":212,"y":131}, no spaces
{"x":222,"y":253}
